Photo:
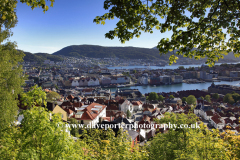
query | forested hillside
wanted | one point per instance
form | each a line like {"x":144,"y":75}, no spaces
{"x":40,"y":57}
{"x":94,"y":51}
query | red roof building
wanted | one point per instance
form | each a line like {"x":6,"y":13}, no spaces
{"x":90,"y":114}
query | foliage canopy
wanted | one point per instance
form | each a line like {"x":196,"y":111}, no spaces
{"x":191,"y":99}
{"x":53,"y":96}
{"x":200,"y":28}
{"x":152,"y":96}
{"x":11,"y":73}
{"x":171,"y":97}
{"x":215,"y":96}
{"x":187,"y":143}
{"x":161,"y":98}
{"x":231,"y":98}
{"x":208,"y":98}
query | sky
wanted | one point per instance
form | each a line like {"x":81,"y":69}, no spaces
{"x":70,"y":22}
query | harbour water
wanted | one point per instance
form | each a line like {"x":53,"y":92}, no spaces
{"x":172,"y":87}
{"x":176,"y":87}
{"x":159,"y":67}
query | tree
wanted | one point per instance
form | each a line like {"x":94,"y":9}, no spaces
{"x":181,"y":67}
{"x":200,"y":32}
{"x":34,"y":97}
{"x":191,"y":100}
{"x":231,"y":138}
{"x":228,"y":98}
{"x":190,"y":68}
{"x":128,"y":114}
{"x":231,"y":100}
{"x":161,"y":98}
{"x":225,"y":98}
{"x":225,"y":65}
{"x":152,"y":96}
{"x":11,"y":80}
{"x":215,"y":96}
{"x":103,"y":144}
{"x":74,"y":130}
{"x":208,"y":98}
{"x":53,"y":96}
{"x":56,"y":87}
{"x":171,"y":97}
{"x":236,"y":97}
{"x":42,"y":135}
{"x":181,"y":142}
{"x":39,"y":133}
{"x":11,"y":73}
{"x":184,"y":99}
{"x":11,"y":76}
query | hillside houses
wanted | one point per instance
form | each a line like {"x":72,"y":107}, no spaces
{"x":214,"y":114}
{"x":90,"y":114}
{"x":84,"y":82}
{"x":119,"y":79}
{"x":94,"y":81}
{"x":218,"y":117}
{"x":125,"y":106}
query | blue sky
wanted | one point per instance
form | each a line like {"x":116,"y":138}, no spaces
{"x":70,"y":22}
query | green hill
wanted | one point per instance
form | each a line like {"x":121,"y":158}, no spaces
{"x":40,"y":57}
{"x":94,"y":51}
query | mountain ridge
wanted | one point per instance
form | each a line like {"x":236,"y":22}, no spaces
{"x":97,"y":51}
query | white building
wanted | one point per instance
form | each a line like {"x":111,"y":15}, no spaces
{"x":217,"y":122}
{"x":137,"y":105}
{"x":93,"y":82}
{"x":126,"y":105}
{"x":176,"y":79}
{"x":75,"y":83}
{"x":143,"y":80}
{"x":90,"y":114}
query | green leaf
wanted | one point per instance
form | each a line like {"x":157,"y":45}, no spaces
{"x":3,"y":17}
